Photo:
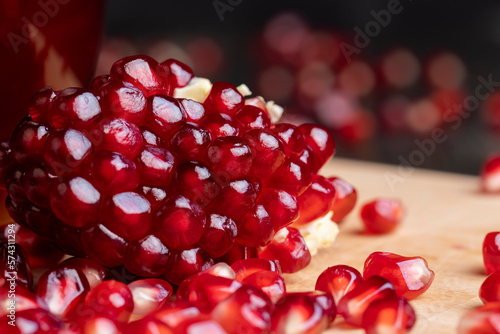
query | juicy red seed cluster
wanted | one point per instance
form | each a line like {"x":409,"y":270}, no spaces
{"x":128,"y":175}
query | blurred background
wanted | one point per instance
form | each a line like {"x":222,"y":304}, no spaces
{"x":388,"y":78}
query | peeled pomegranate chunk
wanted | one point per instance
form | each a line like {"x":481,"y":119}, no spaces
{"x":345,"y":198}
{"x":390,"y":315}
{"x":491,"y":252}
{"x":490,"y":175}
{"x":381,"y":215}
{"x":338,"y":280}
{"x":410,"y":276}
{"x":483,"y":319}
{"x":161,"y":173}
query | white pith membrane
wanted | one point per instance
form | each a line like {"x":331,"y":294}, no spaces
{"x":318,"y":233}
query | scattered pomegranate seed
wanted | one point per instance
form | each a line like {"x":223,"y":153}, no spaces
{"x":270,"y":282}
{"x":338,"y":280}
{"x":490,"y":289}
{"x":491,"y":252}
{"x":381,"y":215}
{"x":345,"y":198}
{"x":410,"y":276}
{"x":389,"y":315}
{"x":483,"y":319}
{"x":490,"y":175}
{"x":149,"y":295}
{"x":111,"y":298}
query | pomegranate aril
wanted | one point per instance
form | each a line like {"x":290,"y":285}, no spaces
{"x":292,"y":138}
{"x":219,"y":236}
{"x":120,"y":135}
{"x":143,"y":72}
{"x":389,"y":315}
{"x":147,"y":257}
{"x":149,"y":295}
{"x":483,"y":319}
{"x":112,"y":172}
{"x":381,"y":215}
{"x":200,"y":324}
{"x":338,"y":280}
{"x":190,"y":141}
{"x":320,"y":142}
{"x":241,"y":193}
{"x":95,"y":323}
{"x":6,"y":161}
{"x":281,"y":206}
{"x":40,"y":220}
{"x":316,"y":201}
{"x":224,"y":98}
{"x":24,"y":299}
{"x":151,"y":138}
{"x":37,"y":183}
{"x":68,"y":239}
{"x":491,"y":252}
{"x":490,"y":289}
{"x":28,"y":141}
{"x":92,"y":270}
{"x":14,"y":186}
{"x":98,"y":81}
{"x":354,"y":304}
{"x":75,"y":202}
{"x":76,"y":108}
{"x":255,"y":228}
{"x":270,"y":282}
{"x":345,"y":198}
{"x":39,"y":107}
{"x":180,"y":74}
{"x":15,"y":267}
{"x":251,"y":117}
{"x":63,"y":289}
{"x":257,"y":101}
{"x":300,"y":312}
{"x":104,"y":246}
{"x":195,"y":181}
{"x":33,"y":321}
{"x":194,"y":110}
{"x":221,"y":269}
{"x":121,"y":99}
{"x":248,"y":310}
{"x":268,"y":152}
{"x":111,"y":298}
{"x":220,"y":125}
{"x":185,"y":263}
{"x":155,"y":196}
{"x":292,"y":176}
{"x":238,"y":252}
{"x":16,"y":212}
{"x":229,"y":157}
{"x":410,"y":276}
{"x":66,"y":152}
{"x":326,"y":301}
{"x":156,"y":166}
{"x":490,"y":175}
{"x":148,"y":326}
{"x":176,"y":313}
{"x":289,"y":249}
{"x":165,"y":114}
{"x":246,"y":267}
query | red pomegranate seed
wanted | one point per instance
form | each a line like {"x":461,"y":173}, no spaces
{"x":292,"y":138}
{"x":354,"y":304}
{"x":104,"y":246}
{"x":255,"y":228}
{"x":320,"y":142}
{"x":13,"y":184}
{"x":221,"y":269}
{"x":76,"y":202}
{"x":63,"y":289}
{"x":143,"y":72}
{"x":165,"y":114}
{"x":28,"y":141}
{"x":148,"y":326}
{"x":190,"y":141}
{"x":147,"y":257}
{"x":120,"y":99}
{"x":248,"y":310}
{"x":251,"y":117}
{"x":299,"y":313}
{"x":92,"y":270}
{"x":94,"y":323}
{"x":220,"y":235}
{"x":37,"y":184}
{"x":68,"y":239}
{"x":98,"y":81}
{"x":112,"y":172}
{"x":326,"y":301}
{"x":15,"y":268}
{"x":483,"y":319}
{"x":268,"y":152}
{"x":149,"y":295}
{"x":24,"y":299}
{"x":30,"y":321}
{"x":220,"y":125}
{"x":289,"y":248}
{"x":16,"y":212}
{"x":6,"y":161}
{"x":410,"y":276}
{"x":316,"y":201}
{"x":224,"y":98}
{"x":490,"y":174}
{"x":491,"y":252}
{"x":229,"y":156}
{"x":338,"y":280}
{"x":41,"y":221}
{"x":389,"y":315}
{"x":185,"y":263}
{"x":194,"y":110}
{"x":155,"y":196}
{"x":293,"y":176}
{"x":120,"y":135}
{"x":345,"y":198}
{"x":176,"y":313}
{"x":381,"y":215}
{"x":200,"y":324}
{"x":40,"y":103}
{"x":281,"y":206}
{"x":76,"y":108}
{"x":180,"y":73}
{"x":256,"y":102}
{"x":247,"y":267}
{"x":128,"y":214}
{"x":151,"y":138}
{"x":238,"y":252}
{"x":241,"y":193}
{"x":490,"y":289}
{"x":195,"y":181}
{"x":156,"y":166}
{"x":270,"y":282}
{"x":111,"y":298}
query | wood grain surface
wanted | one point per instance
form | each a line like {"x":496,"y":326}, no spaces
{"x":445,"y":222}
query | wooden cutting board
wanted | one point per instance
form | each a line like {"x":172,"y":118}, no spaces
{"x":445,"y":223}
